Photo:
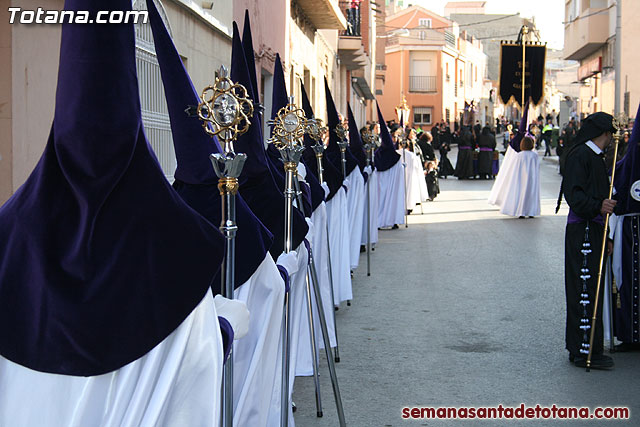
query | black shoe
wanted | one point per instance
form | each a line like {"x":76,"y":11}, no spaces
{"x":395,"y":227}
{"x":531,"y":216}
{"x":598,"y":361}
{"x":521,"y":217}
{"x":363,"y":248}
{"x":627,"y":347}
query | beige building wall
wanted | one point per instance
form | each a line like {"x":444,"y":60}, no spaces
{"x":29,"y":56}
{"x":33,"y":64}
{"x":6,"y":142}
{"x":204,"y":43}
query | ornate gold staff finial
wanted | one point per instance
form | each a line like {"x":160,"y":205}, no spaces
{"x":315,"y":130}
{"x":289,"y":126}
{"x":225,"y":109}
{"x":341,"y":133}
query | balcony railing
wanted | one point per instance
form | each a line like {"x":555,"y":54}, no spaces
{"x":422,"y":84}
{"x":352,"y":13}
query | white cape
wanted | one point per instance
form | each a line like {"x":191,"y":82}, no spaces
{"x":177,"y":383}
{"x":391,"y":196}
{"x":414,"y":175}
{"x":372,"y":182}
{"x":504,"y":178}
{"x":318,"y":240}
{"x":355,"y":204}
{"x":339,"y":245}
{"x":255,"y":356}
{"x":523,"y":194}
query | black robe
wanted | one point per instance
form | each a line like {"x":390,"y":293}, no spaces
{"x":585,"y":186}
{"x":485,"y":158}
{"x":627,"y":315}
{"x":464,"y":164}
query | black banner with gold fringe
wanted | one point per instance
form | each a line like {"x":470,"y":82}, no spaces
{"x":511,"y":55}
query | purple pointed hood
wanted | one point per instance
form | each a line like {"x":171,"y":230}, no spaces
{"x":355,"y":141}
{"x":333,"y":150}
{"x":522,"y":130}
{"x":628,"y":173}
{"x":193,"y":146}
{"x":101,"y":259}
{"x":331,"y":175}
{"x":385,"y":156}
{"x":257,"y":185}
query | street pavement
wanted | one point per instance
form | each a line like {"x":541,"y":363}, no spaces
{"x":465,"y":307}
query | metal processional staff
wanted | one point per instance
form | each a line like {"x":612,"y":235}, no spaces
{"x":225,"y":109}
{"x":317,"y":132}
{"x":289,"y":127}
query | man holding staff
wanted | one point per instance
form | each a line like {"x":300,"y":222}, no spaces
{"x":586,"y":186}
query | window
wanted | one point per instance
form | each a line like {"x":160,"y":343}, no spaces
{"x":422,"y":115}
{"x":424,"y":22}
{"x":447,"y":114}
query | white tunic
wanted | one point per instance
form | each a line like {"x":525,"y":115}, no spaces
{"x":523,"y":194}
{"x":176,"y":384}
{"x":372,"y":182}
{"x":339,"y":245}
{"x":391,"y":196}
{"x":255,"y":356}
{"x":355,"y":204}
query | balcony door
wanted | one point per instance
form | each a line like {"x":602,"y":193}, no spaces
{"x":421,"y":75}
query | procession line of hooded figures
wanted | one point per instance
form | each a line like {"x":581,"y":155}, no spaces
{"x":110,"y":313}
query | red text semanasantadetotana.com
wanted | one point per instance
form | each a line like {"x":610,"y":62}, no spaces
{"x":516,"y":413}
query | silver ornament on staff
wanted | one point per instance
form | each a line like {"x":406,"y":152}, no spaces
{"x":618,"y":124}
{"x":317,"y":133}
{"x":289,"y":127}
{"x":370,"y":139}
{"x":225,"y":109}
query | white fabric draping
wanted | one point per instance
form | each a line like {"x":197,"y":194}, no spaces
{"x":372,"y":181}
{"x":339,"y":245}
{"x":391,"y":196}
{"x":176,"y":384}
{"x":414,"y":175}
{"x":355,"y":205}
{"x":318,"y":239}
{"x":523,"y":195}
{"x":504,"y":179}
{"x":255,"y":357}
{"x":298,"y":313}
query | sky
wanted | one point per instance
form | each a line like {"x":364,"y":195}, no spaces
{"x":549,"y":14}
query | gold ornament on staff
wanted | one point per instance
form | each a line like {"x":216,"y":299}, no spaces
{"x":289,"y":127}
{"x":618,"y":124}
{"x":225,"y":109}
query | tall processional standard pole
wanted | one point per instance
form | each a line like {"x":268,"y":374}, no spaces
{"x":317,"y":132}
{"x":225,"y":109}
{"x":289,"y":127}
{"x":341,"y":132}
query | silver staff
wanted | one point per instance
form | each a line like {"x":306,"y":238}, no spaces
{"x":402,"y":140}
{"x":317,"y":132}
{"x":369,"y":145}
{"x":289,"y":127}
{"x":341,"y":132}
{"x":225,"y":109}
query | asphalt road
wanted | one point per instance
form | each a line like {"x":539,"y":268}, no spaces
{"x":465,"y":307}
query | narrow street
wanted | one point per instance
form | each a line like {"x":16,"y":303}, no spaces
{"x":465,"y":307}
